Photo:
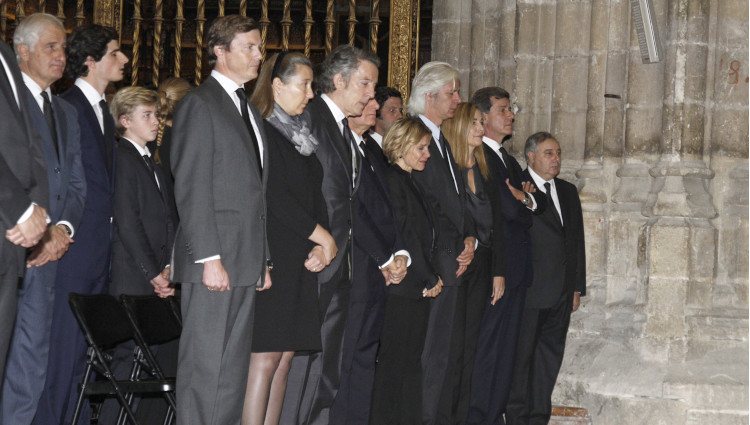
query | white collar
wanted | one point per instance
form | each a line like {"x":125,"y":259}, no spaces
{"x":338,"y":114}
{"x":377,"y":138}
{"x":35,"y":90}
{"x":539,"y":181}
{"x":491,"y":143}
{"x":141,"y":149}
{"x":92,"y":95}
{"x":229,"y":85}
{"x":434,"y":129}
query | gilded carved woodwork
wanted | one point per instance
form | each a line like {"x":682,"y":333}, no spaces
{"x":179,"y":22}
{"x":201,"y":20}
{"x":402,"y":52}
{"x":330,"y":22}
{"x":308,"y":26}
{"x":157,"y":51}
{"x":352,"y":21}
{"x":286,"y":24}
{"x":136,"y":59}
{"x":374,"y":25}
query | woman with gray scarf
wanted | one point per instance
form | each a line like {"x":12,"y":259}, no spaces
{"x":286,"y":315}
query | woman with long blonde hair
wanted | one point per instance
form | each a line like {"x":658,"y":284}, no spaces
{"x":464,"y":133}
{"x":170,"y":92}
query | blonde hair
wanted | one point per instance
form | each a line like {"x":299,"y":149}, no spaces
{"x":170,"y":91}
{"x":127,"y":99}
{"x":402,"y":136}
{"x":456,"y":131}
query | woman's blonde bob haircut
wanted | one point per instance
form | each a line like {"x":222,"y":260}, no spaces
{"x":403,"y":135}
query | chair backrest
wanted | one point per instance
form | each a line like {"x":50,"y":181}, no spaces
{"x":156,"y":318}
{"x":102,"y":319}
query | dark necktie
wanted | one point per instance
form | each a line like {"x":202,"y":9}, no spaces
{"x":109,"y":133}
{"x":446,"y":158}
{"x":151,"y":167}
{"x":246,"y":117}
{"x":49,"y":116}
{"x":351,"y":148}
{"x":550,"y":201}
{"x":363,"y":148}
{"x":509,"y":166}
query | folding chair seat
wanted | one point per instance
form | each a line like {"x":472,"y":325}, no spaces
{"x":154,"y":321}
{"x":105,"y":324}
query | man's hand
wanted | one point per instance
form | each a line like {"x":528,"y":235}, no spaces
{"x":576,"y":300}
{"x":162,"y":286}
{"x":464,"y":259}
{"x":53,"y":245}
{"x":266,"y":281}
{"x":434,"y":291}
{"x":214,"y":276}
{"x":386,"y":275}
{"x":528,"y":187}
{"x":498,"y":288}
{"x":28,"y":233}
{"x":460,"y":270}
{"x":397,"y":269}
{"x":316,"y":259}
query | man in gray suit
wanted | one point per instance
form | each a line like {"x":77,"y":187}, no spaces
{"x":23,"y":191}
{"x":39,"y":41}
{"x":221,"y":251}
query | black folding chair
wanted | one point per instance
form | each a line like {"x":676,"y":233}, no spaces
{"x":105,"y":325}
{"x":154,"y":321}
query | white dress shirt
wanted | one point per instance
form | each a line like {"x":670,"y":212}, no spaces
{"x":540,"y":184}
{"x":94,"y":97}
{"x":142,"y":150}
{"x":231,"y":88}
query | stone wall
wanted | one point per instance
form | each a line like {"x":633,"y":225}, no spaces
{"x":660,"y":155}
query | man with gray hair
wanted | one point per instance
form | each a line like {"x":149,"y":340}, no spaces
{"x":39,"y":41}
{"x":434,"y":99}
{"x":23,"y":191}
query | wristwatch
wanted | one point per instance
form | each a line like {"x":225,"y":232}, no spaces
{"x":67,"y":229}
{"x":526,"y":200}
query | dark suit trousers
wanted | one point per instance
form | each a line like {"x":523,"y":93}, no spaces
{"x":314,"y":380}
{"x":364,"y":324}
{"x":494,"y":359}
{"x":214,"y":354}
{"x":8,"y":303}
{"x":397,"y":392}
{"x":443,"y":342}
{"x":539,"y":355}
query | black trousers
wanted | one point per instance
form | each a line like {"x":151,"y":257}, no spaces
{"x":397,"y":393}
{"x":539,"y":355}
{"x":477,"y":285}
{"x":494,"y":359}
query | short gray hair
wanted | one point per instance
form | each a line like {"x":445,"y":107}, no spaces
{"x":430,"y":78}
{"x":28,"y":31}
{"x":342,"y":60}
{"x":534,"y":140}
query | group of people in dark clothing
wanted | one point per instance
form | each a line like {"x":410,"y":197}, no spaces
{"x":336,"y":260}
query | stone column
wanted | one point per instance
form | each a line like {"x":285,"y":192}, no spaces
{"x":506,"y":67}
{"x":679,"y":238}
{"x":451,"y":38}
{"x":485,"y":36}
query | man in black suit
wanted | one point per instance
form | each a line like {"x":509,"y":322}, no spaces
{"x":221,"y":254}
{"x":379,"y":259}
{"x":94,"y":59}
{"x":435,"y":96}
{"x":346,"y":79}
{"x":23,"y":191}
{"x":39,"y":41}
{"x":513,"y":203}
{"x":559,"y":262}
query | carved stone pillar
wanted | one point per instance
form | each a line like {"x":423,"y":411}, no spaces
{"x":109,"y":13}
{"x":679,"y":238}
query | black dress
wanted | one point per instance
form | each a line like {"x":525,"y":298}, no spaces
{"x":286,"y":315}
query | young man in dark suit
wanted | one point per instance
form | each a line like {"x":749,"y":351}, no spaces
{"x":435,"y":97}
{"x":94,"y":59}
{"x":23,"y":191}
{"x":221,"y":252}
{"x":39,"y":41}
{"x":559,"y":261}
{"x":513,"y":203}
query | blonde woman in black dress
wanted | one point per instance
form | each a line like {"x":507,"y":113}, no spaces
{"x":286,"y":315}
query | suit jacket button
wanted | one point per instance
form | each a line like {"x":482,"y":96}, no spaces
{"x":57,"y":170}
{"x":58,"y":197}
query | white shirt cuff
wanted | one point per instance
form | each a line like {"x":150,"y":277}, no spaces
{"x":214,"y":257}
{"x":532,"y":207}
{"x":70,"y":226}
{"x":26,"y":214}
{"x":403,"y":252}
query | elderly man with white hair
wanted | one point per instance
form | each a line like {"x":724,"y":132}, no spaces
{"x":434,"y":99}
{"x":39,"y":41}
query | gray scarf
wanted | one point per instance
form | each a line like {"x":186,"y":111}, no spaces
{"x":295,"y":129}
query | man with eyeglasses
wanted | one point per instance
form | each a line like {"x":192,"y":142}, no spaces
{"x":513,"y":203}
{"x":391,"y":110}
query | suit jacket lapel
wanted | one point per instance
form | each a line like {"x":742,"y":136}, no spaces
{"x":334,"y":134}
{"x":5,"y":85}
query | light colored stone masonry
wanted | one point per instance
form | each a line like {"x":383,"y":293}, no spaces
{"x":661,"y":163}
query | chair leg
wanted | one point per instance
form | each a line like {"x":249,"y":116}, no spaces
{"x":135,"y":372}
{"x":82,"y":389}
